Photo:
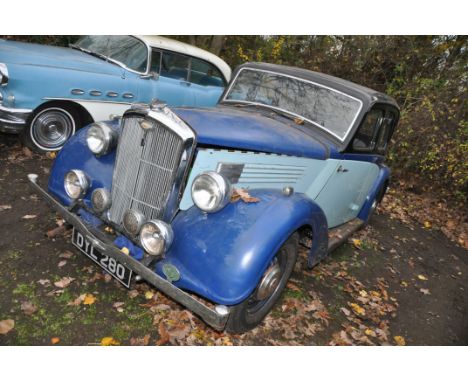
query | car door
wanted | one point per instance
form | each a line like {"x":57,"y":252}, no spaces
{"x":346,"y":190}
{"x":206,"y":81}
{"x":173,"y":85}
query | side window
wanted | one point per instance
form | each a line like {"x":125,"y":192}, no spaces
{"x":155,"y":61}
{"x":175,"y":66}
{"x":366,"y":136}
{"x":385,"y":132}
{"x":205,"y":74}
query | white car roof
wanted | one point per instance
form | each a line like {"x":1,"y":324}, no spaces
{"x":180,"y":47}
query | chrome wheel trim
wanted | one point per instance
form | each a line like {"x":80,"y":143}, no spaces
{"x":51,"y":128}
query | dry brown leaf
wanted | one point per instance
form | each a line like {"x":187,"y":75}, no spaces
{"x":44,"y":282}
{"x":62,"y":263}
{"x":64,"y":282}
{"x":242,"y":194}
{"x":6,"y":326}
{"x":54,"y":340}
{"x":66,"y":255}
{"x":77,"y":301}
{"x":163,"y":335}
{"x":56,"y":231}
{"x":133,"y":293}
{"x":357,"y":309}
{"x":51,"y":154}
{"x":26,"y":217}
{"x":292,"y":286}
{"x":27,"y":152}
{"x":28,"y":308}
{"x":4,"y":207}
{"x":400,"y":341}
{"x":140,"y":341}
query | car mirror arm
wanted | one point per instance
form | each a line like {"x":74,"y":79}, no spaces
{"x":150,"y":75}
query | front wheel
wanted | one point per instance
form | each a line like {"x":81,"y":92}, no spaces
{"x":50,"y":128}
{"x":252,"y":311}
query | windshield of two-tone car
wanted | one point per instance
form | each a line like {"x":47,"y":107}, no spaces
{"x":127,"y":50}
{"x":322,"y":106}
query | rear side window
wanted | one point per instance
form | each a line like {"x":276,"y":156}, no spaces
{"x":385,"y":132}
{"x":155,"y":61}
{"x":175,"y":66}
{"x":205,"y":74}
{"x":366,"y":136}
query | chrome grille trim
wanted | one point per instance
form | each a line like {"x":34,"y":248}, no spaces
{"x":150,"y":177}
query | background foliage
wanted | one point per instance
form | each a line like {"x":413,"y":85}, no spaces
{"x":426,"y":74}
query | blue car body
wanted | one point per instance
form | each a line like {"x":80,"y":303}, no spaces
{"x":221,"y":256}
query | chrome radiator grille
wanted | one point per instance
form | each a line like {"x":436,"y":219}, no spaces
{"x":145,"y":168}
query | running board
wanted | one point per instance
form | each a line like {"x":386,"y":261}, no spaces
{"x":338,"y":235}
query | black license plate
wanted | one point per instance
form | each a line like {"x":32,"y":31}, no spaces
{"x":112,"y":266}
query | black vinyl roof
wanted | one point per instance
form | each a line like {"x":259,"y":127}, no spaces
{"x":366,"y":95}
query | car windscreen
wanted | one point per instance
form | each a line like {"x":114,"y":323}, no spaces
{"x":127,"y":50}
{"x":322,"y":106}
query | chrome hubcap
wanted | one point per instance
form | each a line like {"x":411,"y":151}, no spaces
{"x":51,"y":128}
{"x":269,"y":282}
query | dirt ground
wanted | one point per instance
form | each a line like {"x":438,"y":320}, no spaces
{"x":393,"y":283}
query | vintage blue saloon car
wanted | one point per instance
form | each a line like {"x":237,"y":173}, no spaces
{"x":47,"y":93}
{"x":304,"y":150}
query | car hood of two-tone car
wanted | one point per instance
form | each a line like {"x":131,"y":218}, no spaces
{"x":255,"y":130}
{"x":20,"y":53}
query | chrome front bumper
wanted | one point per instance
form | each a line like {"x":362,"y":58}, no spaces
{"x":216,"y":317}
{"x":13,"y":120}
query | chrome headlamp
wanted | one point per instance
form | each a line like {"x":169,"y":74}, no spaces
{"x":101,"y":138}
{"x":101,"y":200}
{"x":132,"y":221}
{"x":3,"y":74}
{"x":76,"y":184}
{"x":156,"y":237}
{"x":211,"y":191}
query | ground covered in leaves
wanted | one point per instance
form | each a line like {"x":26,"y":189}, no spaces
{"x":399,"y":281}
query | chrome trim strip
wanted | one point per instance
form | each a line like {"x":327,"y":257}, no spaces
{"x":128,"y":95}
{"x":217,"y":317}
{"x":85,"y":100}
{"x":289,"y":112}
{"x":112,"y":94}
{"x":14,"y":111}
{"x":95,"y":93}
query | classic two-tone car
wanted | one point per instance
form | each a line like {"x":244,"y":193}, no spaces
{"x":213,"y":203}
{"x":47,"y":93}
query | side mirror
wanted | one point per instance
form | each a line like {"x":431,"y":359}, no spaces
{"x":150,"y":76}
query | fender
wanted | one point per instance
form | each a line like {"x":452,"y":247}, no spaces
{"x":222,"y":256}
{"x":76,"y":155}
{"x":377,"y":187}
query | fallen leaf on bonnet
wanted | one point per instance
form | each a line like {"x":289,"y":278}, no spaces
{"x":125,"y":250}
{"x":400,"y":341}
{"x":109,"y":341}
{"x":298,"y":121}
{"x":28,"y":308}
{"x":26,"y":217}
{"x":64,"y":282}
{"x":54,"y":340}
{"x":89,"y":299}
{"x":51,"y":154}
{"x":6,"y":326}
{"x":5,"y":207}
{"x":240,"y":193}
{"x":422,"y":277}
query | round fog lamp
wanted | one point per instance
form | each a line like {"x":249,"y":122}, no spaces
{"x":101,"y":138}
{"x":76,"y":184}
{"x":211,"y":191}
{"x":101,"y":199}
{"x":156,"y":237}
{"x":132,"y":221}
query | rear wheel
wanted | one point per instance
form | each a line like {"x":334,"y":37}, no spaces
{"x":252,"y":311}
{"x":50,"y":128}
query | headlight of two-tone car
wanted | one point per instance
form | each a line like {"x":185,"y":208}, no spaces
{"x":211,"y":191}
{"x":101,"y":138}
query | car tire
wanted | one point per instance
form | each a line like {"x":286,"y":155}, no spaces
{"x":249,"y":313}
{"x":50,"y":127}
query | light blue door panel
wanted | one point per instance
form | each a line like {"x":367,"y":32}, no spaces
{"x":175,"y":92}
{"x":206,"y":95}
{"x":345,"y":192}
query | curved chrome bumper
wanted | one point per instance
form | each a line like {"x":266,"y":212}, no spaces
{"x":13,"y":120}
{"x":216,"y":317}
